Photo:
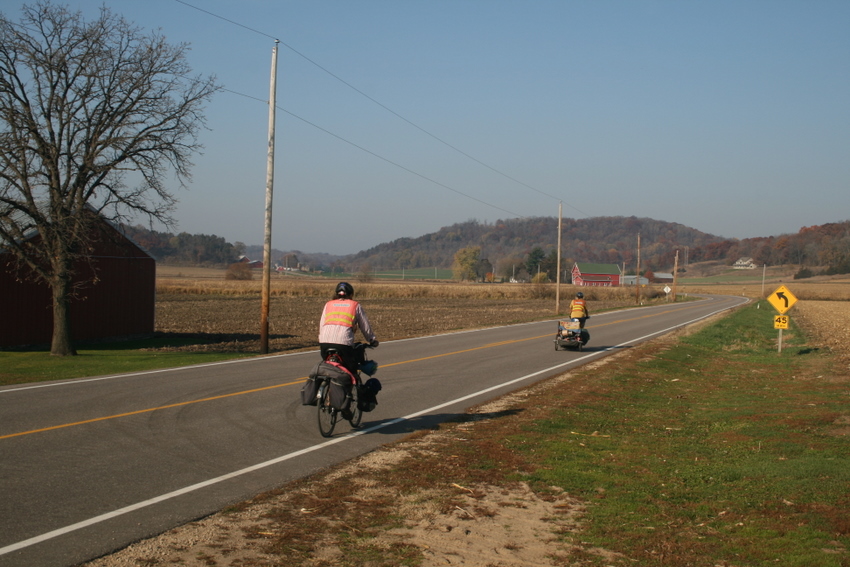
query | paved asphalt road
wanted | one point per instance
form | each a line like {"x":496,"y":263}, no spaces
{"x":88,"y":466}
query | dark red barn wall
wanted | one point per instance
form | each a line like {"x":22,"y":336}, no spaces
{"x":116,"y":296}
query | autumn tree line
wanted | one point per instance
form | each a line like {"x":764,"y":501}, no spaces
{"x":185,"y":248}
{"x":524,"y":249}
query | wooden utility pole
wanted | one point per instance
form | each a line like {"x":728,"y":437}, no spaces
{"x":558,"y":277}
{"x":675,"y":274}
{"x":637,"y":277}
{"x":267,"y":243}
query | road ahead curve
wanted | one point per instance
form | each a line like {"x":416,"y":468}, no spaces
{"x":88,"y":466}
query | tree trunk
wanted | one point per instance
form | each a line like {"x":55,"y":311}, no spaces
{"x":61,"y":342}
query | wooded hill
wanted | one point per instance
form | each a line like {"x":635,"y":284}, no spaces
{"x":613,"y":240}
{"x":610,"y":240}
{"x":508,"y":243}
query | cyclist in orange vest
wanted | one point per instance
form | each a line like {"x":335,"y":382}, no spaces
{"x":341,"y":317}
{"x":578,"y":309}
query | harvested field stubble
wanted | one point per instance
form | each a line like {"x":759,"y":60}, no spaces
{"x":828,"y":322}
{"x":232,"y":322}
{"x":811,"y":290}
{"x":225,"y":315}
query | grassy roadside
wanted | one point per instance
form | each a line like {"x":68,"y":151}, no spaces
{"x":714,"y":451}
{"x":20,"y":367}
{"x":703,"y":450}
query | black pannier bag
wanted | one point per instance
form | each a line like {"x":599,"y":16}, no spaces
{"x":368,"y":398}
{"x":341,"y":381}
{"x":310,"y":392}
{"x":340,"y":394}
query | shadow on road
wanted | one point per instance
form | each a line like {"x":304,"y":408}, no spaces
{"x":424,"y":422}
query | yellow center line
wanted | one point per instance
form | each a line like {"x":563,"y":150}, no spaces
{"x":300,"y":380}
{"x":148,"y":410}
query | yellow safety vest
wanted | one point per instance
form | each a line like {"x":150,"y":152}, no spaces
{"x":341,"y":313}
{"x":578,"y":308}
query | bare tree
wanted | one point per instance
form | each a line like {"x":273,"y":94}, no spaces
{"x":94,"y":115}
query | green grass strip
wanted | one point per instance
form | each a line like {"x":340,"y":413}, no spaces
{"x":716,"y":451}
{"x":20,"y":367}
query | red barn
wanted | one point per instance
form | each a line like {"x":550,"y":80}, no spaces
{"x":601,"y":275}
{"x":116,"y":296}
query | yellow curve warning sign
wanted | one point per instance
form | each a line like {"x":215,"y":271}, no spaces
{"x":782,"y":299}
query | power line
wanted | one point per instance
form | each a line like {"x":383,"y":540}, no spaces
{"x":391,"y":111}
{"x":226,"y":20}
{"x":401,"y":166}
{"x":380,"y":157}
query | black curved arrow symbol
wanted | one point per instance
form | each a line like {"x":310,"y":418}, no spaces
{"x":781,"y":295}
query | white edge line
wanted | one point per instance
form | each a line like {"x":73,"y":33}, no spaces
{"x":191,"y":488}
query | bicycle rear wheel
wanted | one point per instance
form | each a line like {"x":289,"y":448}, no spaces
{"x":356,"y":412}
{"x":327,"y":414}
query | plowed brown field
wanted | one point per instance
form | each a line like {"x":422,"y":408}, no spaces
{"x":225,"y":315}
{"x":219,"y":314}
{"x":222,"y":322}
{"x":828,"y":322}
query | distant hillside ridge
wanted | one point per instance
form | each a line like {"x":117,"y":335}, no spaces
{"x":612,"y":240}
{"x":506,"y":244}
{"x":608,"y":240}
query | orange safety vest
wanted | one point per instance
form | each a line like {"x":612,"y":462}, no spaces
{"x":578,"y":308}
{"x":342,"y":312}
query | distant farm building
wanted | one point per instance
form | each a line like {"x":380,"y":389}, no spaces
{"x":630,"y":280}
{"x":661,"y":277}
{"x":744,"y":264}
{"x":115,"y":294}
{"x":253,"y":264}
{"x":596,"y":275}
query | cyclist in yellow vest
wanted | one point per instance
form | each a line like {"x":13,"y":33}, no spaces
{"x":578,"y":309}
{"x":341,"y":317}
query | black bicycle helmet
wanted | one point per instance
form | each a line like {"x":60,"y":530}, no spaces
{"x":344,"y":289}
{"x":580,"y":295}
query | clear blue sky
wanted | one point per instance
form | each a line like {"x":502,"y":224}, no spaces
{"x":731,"y":117}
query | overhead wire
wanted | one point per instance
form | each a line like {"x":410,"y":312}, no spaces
{"x":391,"y":111}
{"x":402,"y":167}
{"x":227,"y":20}
{"x":370,"y":152}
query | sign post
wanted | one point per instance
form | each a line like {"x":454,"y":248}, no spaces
{"x":782,"y":300}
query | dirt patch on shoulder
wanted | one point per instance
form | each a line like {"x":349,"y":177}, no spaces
{"x":507,"y":525}
{"x":451,"y":524}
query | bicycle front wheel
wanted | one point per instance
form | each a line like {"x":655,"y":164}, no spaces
{"x":327,"y":414}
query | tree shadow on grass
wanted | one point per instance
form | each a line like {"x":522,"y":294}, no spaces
{"x":808,"y":350}
{"x":229,"y":342}
{"x":202,"y":342}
